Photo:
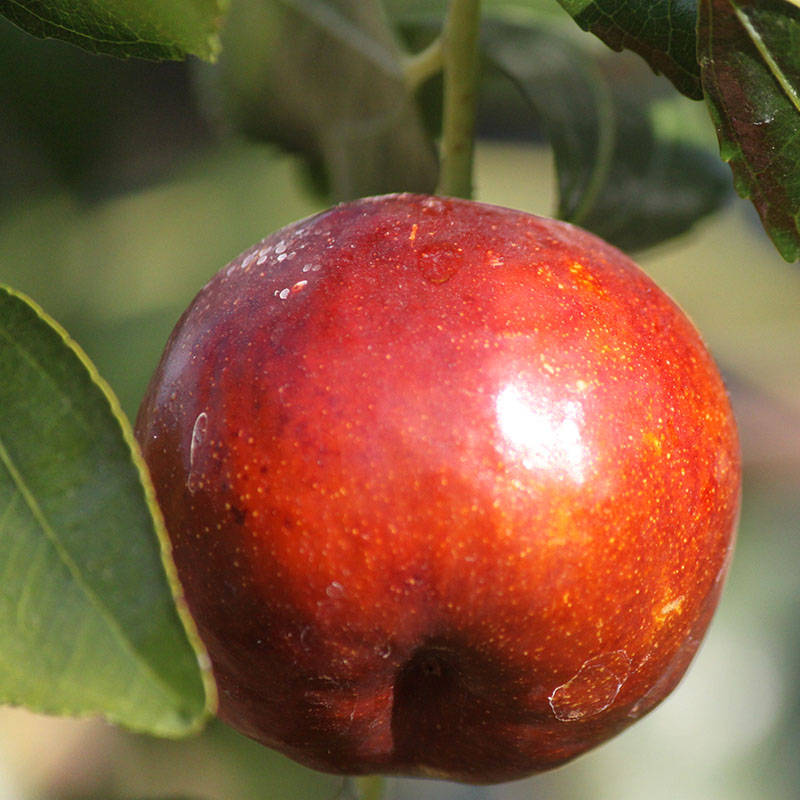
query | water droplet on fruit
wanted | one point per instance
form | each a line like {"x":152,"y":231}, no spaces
{"x":199,"y":430}
{"x":439,"y":261}
{"x":494,"y":260}
{"x":383,"y":650}
{"x":592,"y":689}
{"x":432,"y":205}
{"x":334,"y":590}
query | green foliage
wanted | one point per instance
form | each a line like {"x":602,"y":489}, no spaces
{"x":329,"y":78}
{"x":326,"y":78}
{"x":750,"y":58}
{"x":87,"y":619}
{"x":661,"y":31}
{"x":744,"y":58}
{"x":625,"y":168}
{"x":70,"y":116}
{"x":156,"y":29}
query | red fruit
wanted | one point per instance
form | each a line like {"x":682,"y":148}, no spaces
{"x":451,"y":488}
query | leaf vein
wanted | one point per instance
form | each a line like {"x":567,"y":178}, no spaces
{"x":789,"y":90}
{"x":74,"y":570}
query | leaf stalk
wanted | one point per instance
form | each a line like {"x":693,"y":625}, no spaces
{"x":461,"y":64}
{"x":418,"y":67}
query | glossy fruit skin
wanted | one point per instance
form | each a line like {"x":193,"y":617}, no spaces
{"x":452,"y":489}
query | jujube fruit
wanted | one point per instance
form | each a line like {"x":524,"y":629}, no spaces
{"x":451,"y":488}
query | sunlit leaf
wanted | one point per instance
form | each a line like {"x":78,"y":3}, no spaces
{"x":750,"y":58}
{"x":167,"y":29}
{"x":88,"y":624}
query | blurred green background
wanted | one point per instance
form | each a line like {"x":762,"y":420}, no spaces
{"x":119,"y":198}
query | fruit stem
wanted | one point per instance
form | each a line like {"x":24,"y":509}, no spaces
{"x":372,"y":787}
{"x":461,"y":59}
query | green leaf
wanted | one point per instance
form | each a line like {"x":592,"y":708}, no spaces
{"x":154,"y":29}
{"x":88,"y":624}
{"x":661,"y":31}
{"x":325,"y":77}
{"x":628,"y":166}
{"x":750,"y":60}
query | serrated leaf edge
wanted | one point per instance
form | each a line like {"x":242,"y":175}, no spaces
{"x":170,"y":51}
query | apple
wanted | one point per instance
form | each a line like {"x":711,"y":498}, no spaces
{"x":451,"y":489}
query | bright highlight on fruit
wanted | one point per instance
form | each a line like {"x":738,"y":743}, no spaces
{"x":452,"y":489}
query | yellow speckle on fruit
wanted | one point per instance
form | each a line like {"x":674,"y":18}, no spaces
{"x":669,"y":608}
{"x":653,"y":441}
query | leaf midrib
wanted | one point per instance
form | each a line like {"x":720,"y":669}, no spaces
{"x":92,"y":597}
{"x":49,"y":531}
{"x":755,"y":37}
